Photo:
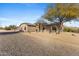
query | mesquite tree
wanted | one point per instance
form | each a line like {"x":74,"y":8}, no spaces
{"x":62,"y":12}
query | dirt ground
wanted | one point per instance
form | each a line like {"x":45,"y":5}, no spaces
{"x":8,"y":30}
{"x":62,"y":44}
{"x":39,"y":44}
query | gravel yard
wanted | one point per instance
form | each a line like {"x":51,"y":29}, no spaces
{"x":21,"y":45}
{"x":64,"y":44}
{"x":39,"y":44}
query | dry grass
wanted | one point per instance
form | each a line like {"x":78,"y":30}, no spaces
{"x":62,"y":44}
{"x":39,"y":44}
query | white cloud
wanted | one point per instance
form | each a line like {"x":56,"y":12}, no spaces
{"x":16,"y":21}
{"x":8,"y":21}
{"x":72,"y":24}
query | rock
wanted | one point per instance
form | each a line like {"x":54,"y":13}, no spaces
{"x":73,"y":35}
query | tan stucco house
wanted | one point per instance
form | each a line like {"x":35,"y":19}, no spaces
{"x":27,"y":27}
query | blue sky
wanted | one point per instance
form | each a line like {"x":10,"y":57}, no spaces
{"x":18,"y":13}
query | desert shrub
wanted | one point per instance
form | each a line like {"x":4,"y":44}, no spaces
{"x":1,"y":28}
{"x":11,"y":27}
{"x":66,"y":29}
{"x":71,"y":29}
{"x":7,"y":28}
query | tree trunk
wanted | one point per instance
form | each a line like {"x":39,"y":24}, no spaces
{"x":59,"y":28}
{"x":50,"y":29}
{"x":39,"y":27}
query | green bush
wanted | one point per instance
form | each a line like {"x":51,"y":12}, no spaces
{"x":71,"y":29}
{"x":7,"y":28}
{"x":67,"y":29}
{"x":1,"y":28}
{"x":11,"y":27}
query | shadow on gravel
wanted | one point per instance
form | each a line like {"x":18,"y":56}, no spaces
{"x":5,"y":33}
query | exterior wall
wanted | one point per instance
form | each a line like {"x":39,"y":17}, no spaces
{"x":27,"y":28}
{"x":31,"y":28}
{"x":24,"y":27}
{"x":47,"y":28}
{"x":43,"y":27}
{"x":50,"y":28}
{"x":38,"y":27}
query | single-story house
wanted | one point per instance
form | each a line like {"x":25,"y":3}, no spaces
{"x":27,"y":27}
{"x":46,"y":27}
